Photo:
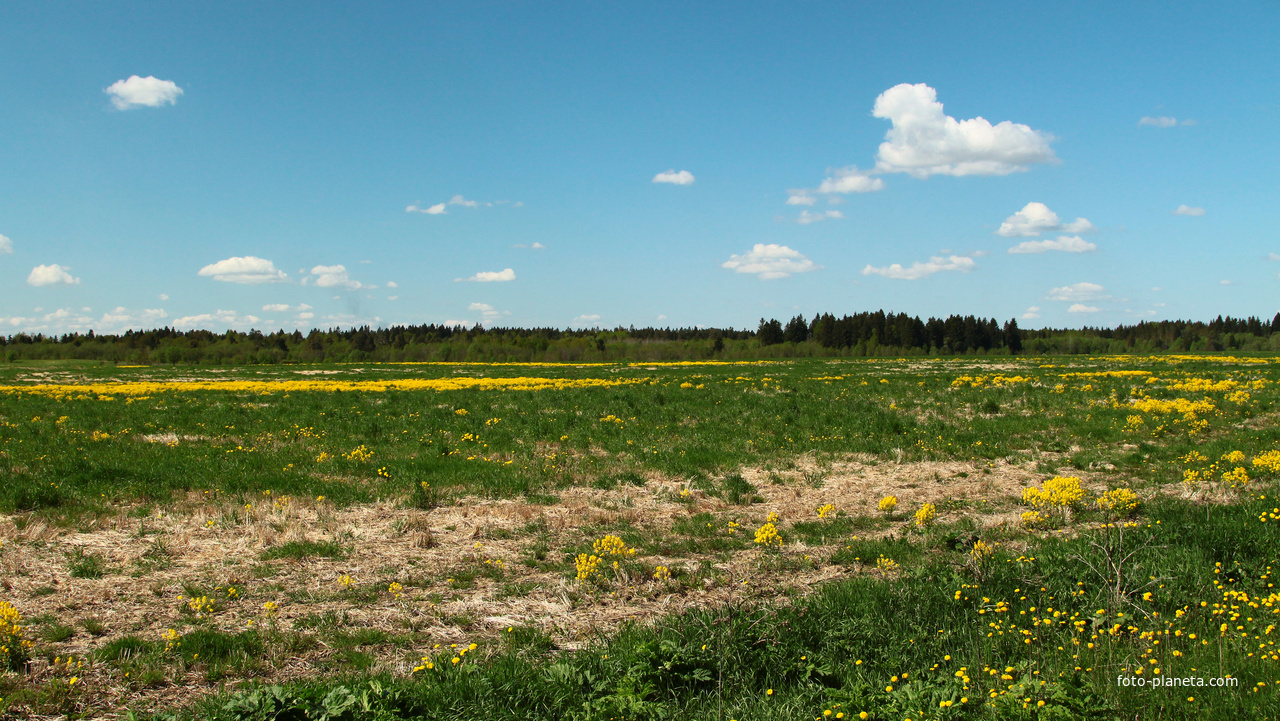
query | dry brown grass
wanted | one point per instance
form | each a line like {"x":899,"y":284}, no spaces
{"x":194,"y":542}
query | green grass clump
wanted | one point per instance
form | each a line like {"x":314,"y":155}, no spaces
{"x":85,"y":565}
{"x":300,"y":550}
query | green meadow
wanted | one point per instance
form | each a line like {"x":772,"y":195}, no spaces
{"x":642,"y":541}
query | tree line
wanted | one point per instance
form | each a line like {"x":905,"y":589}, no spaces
{"x":861,"y":334}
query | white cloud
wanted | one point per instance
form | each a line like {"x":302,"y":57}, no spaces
{"x":589,"y":319}
{"x":142,"y":92}
{"x":850,"y":180}
{"x":121,"y":317}
{"x":683,"y":177}
{"x":334,"y":276}
{"x":798,"y":197}
{"x":925,"y":141}
{"x":285,"y":307}
{"x":535,"y":246}
{"x":6,"y":245}
{"x":662,"y":316}
{"x":488,"y":313}
{"x":66,"y":320}
{"x":306,"y":316}
{"x":1188,"y":210}
{"x":1032,"y":313}
{"x":490,"y":276}
{"x":806,"y":217}
{"x":459,"y":200}
{"x":246,"y":270}
{"x":1065,"y":243}
{"x":1163,"y":121}
{"x":1078,"y":292}
{"x":459,"y":323}
{"x":770,"y":262}
{"x":437,"y":209}
{"x":1273,"y":256}
{"x":1224,"y":282}
{"x":1036,"y":218}
{"x":918,"y":270}
{"x":51,"y":275}
{"x":163,"y":296}
{"x":217,"y":320}
{"x":1082,"y":308}
{"x":392,"y":284}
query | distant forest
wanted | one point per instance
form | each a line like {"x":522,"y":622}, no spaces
{"x":859,"y":335}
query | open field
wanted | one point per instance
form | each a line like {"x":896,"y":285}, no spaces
{"x":683,"y":540}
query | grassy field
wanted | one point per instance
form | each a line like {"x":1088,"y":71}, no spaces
{"x":685,"y":540}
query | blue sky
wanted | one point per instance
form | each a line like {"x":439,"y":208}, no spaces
{"x":276,"y":165}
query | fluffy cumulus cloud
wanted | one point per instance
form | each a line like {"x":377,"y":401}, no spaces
{"x":1032,"y":313}
{"x":1036,"y":218}
{"x":769,"y":262}
{"x":682,"y":177}
{"x":490,"y":276}
{"x":217,"y":320}
{"x":6,"y":245}
{"x":586,"y":319}
{"x":1188,"y":210}
{"x":1078,"y":292}
{"x":246,"y":270}
{"x":437,"y":209}
{"x":1082,"y":308}
{"x":918,"y":270}
{"x":51,"y":275}
{"x":926,"y":141}
{"x":1064,"y":243}
{"x":333,"y":276}
{"x":145,"y":92}
{"x":807,"y":217}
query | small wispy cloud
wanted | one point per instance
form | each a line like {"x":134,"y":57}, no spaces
{"x":333,"y":276}
{"x":1064,"y":243}
{"x":918,"y":270}
{"x":807,"y":217}
{"x":244,"y":270}
{"x":1078,"y":292}
{"x":769,"y":262}
{"x":148,"y":92}
{"x":486,"y":276}
{"x":1036,"y":218}
{"x":674,"y":177}
{"x":1188,"y":210}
